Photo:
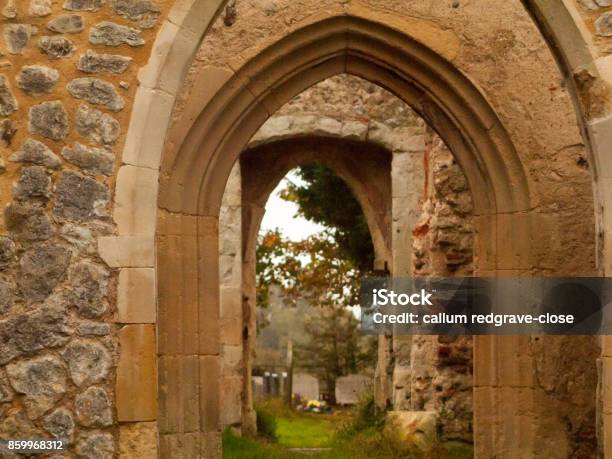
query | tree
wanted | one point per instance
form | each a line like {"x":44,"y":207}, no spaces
{"x":335,"y":347}
{"x":326,"y":199}
{"x":314,"y":270}
{"x":324,"y":270}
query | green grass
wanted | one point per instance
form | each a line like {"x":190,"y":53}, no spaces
{"x":247,"y":448}
{"x":354,"y":435}
{"x":305,"y":431}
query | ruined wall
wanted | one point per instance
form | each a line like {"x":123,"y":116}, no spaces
{"x":68,"y":75}
{"x":441,"y":367}
{"x":61,"y":203}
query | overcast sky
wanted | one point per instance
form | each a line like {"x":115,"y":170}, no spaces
{"x":281,"y":214}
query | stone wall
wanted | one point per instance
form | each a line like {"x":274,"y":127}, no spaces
{"x":441,"y":367}
{"x":55,"y":92}
{"x":68,"y":75}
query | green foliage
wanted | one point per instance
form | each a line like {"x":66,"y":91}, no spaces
{"x":326,"y":199}
{"x":313,"y":269}
{"x":362,"y":435}
{"x":335,"y":346}
{"x":266,"y":422}
{"x":365,"y":415}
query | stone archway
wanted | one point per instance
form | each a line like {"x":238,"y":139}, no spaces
{"x":364,"y":167}
{"x":498,"y":183}
{"x":135,"y":184}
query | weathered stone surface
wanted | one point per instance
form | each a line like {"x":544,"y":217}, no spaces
{"x":67,"y":23}
{"x":6,"y":394}
{"x":10,"y":9}
{"x":26,"y":333}
{"x":88,"y":361}
{"x":17,"y":425}
{"x":8,"y":103}
{"x":42,"y":267}
{"x":412,"y":427}
{"x":35,"y":152}
{"x":95,"y":445}
{"x":603,"y":25}
{"x":90,"y":159}
{"x":111,"y":34}
{"x":37,"y":79}
{"x":7,"y":132}
{"x":56,"y":47}
{"x":89,"y":328}
{"x":40,"y":8}
{"x":604,"y":3}
{"x":588,"y":4}
{"x":136,"y":390}
{"x":145,"y":12}
{"x":42,"y":380}
{"x":7,"y":251}
{"x":49,"y":119}
{"x":97,"y":126}
{"x":138,"y":440}
{"x":7,"y":296}
{"x":27,"y":223}
{"x":89,"y":286}
{"x":79,"y":236}
{"x":17,"y":36}
{"x":92,"y":62}
{"x":34,"y":182}
{"x":60,"y":424}
{"x":80,"y":197}
{"x":92,"y":408}
{"x":83,"y":5}
{"x":96,"y":92}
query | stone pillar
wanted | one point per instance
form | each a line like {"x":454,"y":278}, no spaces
{"x":252,"y":215}
{"x":230,"y":277}
{"x":407,"y":183}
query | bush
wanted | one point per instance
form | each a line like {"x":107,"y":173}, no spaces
{"x":266,"y":422}
{"x":365,"y":415}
